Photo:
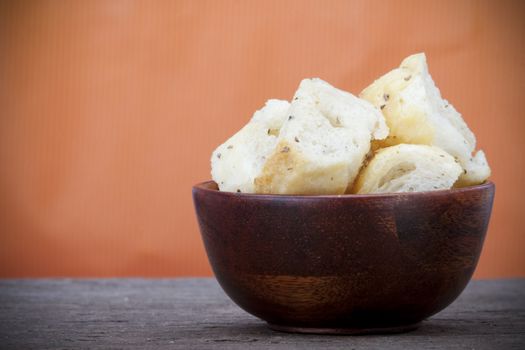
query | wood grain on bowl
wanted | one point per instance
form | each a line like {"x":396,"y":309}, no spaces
{"x":352,"y":263}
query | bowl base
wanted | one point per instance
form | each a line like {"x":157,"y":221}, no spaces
{"x":346,"y":331}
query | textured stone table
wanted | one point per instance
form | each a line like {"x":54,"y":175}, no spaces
{"x":195,"y":314}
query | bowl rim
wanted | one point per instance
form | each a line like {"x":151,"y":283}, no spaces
{"x":204,"y":187}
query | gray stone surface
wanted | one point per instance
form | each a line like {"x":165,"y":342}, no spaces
{"x":196,"y":314}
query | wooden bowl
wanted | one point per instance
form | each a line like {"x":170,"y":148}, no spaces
{"x":347,"y":264}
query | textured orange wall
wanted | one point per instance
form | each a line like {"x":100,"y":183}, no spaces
{"x":109,"y":111}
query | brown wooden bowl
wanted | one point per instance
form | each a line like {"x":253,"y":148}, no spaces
{"x":344,"y":264}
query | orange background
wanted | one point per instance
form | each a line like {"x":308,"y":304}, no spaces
{"x":109,"y":111}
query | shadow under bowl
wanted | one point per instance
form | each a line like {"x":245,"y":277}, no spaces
{"x":348,"y":264}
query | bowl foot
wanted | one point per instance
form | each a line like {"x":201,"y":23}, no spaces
{"x":347,"y":331}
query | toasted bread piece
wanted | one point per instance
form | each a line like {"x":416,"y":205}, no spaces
{"x":322,"y":143}
{"x":416,"y":113}
{"x":408,"y":168}
{"x":236,"y":163}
